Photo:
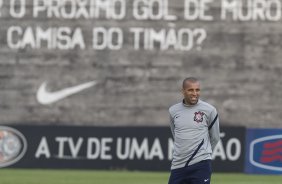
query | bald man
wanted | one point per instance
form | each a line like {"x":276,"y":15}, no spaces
{"x":195,"y":129}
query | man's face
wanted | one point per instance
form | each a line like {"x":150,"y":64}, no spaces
{"x":191,"y":92}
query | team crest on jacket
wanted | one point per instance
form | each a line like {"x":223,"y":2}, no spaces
{"x":199,"y":116}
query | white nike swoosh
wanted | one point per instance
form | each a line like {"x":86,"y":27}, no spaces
{"x":45,"y":97}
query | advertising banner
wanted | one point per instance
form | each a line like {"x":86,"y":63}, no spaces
{"x":264,"y":151}
{"x":228,"y":155}
{"x":130,"y":148}
{"x":136,"y":148}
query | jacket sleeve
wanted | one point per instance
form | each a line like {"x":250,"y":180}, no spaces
{"x":171,"y":124}
{"x":214,"y":131}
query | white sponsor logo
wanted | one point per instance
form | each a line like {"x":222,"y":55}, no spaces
{"x":231,"y":149}
{"x":253,"y":152}
{"x":45,"y":97}
{"x":13,"y":146}
{"x":104,"y":148}
{"x":206,"y":180}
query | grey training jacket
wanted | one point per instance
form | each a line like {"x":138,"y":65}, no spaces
{"x":195,"y":130}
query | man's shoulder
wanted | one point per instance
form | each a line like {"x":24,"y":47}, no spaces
{"x":207,"y":105}
{"x":175,"y":107}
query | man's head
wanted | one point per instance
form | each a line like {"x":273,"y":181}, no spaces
{"x":191,"y":90}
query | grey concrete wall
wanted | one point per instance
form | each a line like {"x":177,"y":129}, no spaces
{"x":239,"y":64}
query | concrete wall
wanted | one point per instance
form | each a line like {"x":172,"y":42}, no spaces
{"x":238,"y":61}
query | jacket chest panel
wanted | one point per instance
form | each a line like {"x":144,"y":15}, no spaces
{"x":192,"y":119}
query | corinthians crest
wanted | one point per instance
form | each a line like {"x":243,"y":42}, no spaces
{"x":199,"y":116}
